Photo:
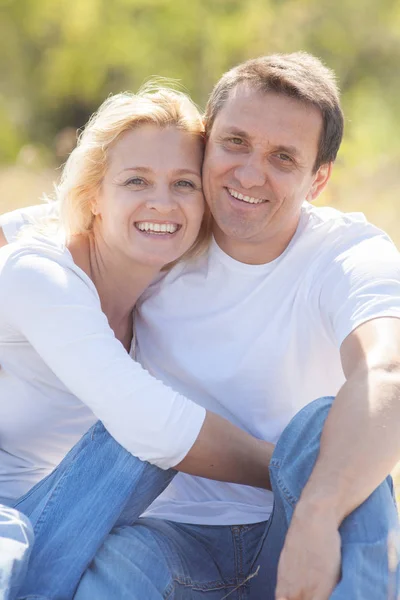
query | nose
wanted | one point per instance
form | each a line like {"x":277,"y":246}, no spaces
{"x":250,"y":174}
{"x":162,"y":200}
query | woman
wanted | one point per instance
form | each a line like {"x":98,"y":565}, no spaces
{"x":131,"y":204}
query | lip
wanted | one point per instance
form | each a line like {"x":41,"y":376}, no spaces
{"x":244,"y":205}
{"x":158,"y":222}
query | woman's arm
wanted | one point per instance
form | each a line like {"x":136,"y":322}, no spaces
{"x":56,"y":309}
{"x":225,"y":452}
{"x":12,"y":222}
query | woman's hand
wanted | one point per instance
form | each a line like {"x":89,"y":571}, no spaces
{"x":3,"y":241}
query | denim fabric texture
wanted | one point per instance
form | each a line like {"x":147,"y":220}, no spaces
{"x":86,"y":522}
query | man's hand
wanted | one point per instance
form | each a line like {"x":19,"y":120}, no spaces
{"x":309,"y":566}
{"x":360,"y":445}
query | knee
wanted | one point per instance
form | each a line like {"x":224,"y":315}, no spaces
{"x":298,"y":447}
{"x":305,"y":427}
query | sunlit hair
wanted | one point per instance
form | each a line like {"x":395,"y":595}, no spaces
{"x":298,"y":75}
{"x":86,"y":166}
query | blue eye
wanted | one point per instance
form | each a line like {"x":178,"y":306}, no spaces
{"x":135,"y":181}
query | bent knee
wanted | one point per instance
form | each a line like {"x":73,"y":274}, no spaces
{"x":297,"y":448}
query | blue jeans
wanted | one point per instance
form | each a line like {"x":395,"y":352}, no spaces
{"x":100,"y":488}
{"x":16,"y":538}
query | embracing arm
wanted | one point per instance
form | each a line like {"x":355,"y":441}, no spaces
{"x":12,"y":222}
{"x":3,"y":240}
{"x":225,"y":452}
{"x":58,"y":311}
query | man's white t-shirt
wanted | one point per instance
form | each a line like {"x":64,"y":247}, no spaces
{"x":256,"y":343}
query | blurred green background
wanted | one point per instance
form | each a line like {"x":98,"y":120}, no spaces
{"x":61,"y":58}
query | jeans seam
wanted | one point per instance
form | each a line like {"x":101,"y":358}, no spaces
{"x":237,"y":534}
{"x":210,"y":585}
{"x":285,"y":491}
{"x":32,"y":598}
{"x":262,"y":541}
{"x":33,"y":489}
{"x":169,"y":591}
{"x":189,"y":582}
{"x":49,"y":502}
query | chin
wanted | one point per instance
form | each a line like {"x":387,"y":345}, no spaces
{"x":159,"y":262}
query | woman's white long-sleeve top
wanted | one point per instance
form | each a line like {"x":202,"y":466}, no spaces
{"x":62,"y":369}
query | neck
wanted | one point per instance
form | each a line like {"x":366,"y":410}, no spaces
{"x":119,"y":281}
{"x":254,"y":252}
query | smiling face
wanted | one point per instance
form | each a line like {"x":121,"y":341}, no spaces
{"x":151,"y":205}
{"x":258,"y":170}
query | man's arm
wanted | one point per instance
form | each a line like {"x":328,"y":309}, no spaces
{"x":360,"y":445}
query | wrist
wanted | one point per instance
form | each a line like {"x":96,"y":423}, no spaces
{"x":317,"y":502}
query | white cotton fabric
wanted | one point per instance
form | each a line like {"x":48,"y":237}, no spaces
{"x":62,"y":369}
{"x":256,"y":343}
{"x":14,"y":222}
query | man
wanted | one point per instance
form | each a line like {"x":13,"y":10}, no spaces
{"x":290,"y":304}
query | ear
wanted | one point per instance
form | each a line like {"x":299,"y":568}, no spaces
{"x":320,"y":180}
{"x":94,"y":206}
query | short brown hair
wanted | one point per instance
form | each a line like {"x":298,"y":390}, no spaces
{"x":298,"y":75}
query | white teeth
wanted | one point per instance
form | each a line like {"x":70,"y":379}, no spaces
{"x":248,"y":199}
{"x":157,"y":227}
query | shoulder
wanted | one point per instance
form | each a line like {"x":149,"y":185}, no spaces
{"x":38,"y":263}
{"x":13,"y":222}
{"x":335,"y":234}
{"x":328,"y":219}
{"x":35,"y":245}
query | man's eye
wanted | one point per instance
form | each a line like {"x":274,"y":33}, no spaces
{"x":185,"y":183}
{"x":284,"y":157}
{"x":237,"y":141}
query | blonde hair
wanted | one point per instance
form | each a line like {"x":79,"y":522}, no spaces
{"x":85,"y":168}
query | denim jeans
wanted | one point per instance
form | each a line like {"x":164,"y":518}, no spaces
{"x":16,"y":538}
{"x":85,"y":516}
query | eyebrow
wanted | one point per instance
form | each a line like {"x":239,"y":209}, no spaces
{"x":289,"y":149}
{"x":148,"y":170}
{"x":236,"y":131}
{"x":280,"y":148}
